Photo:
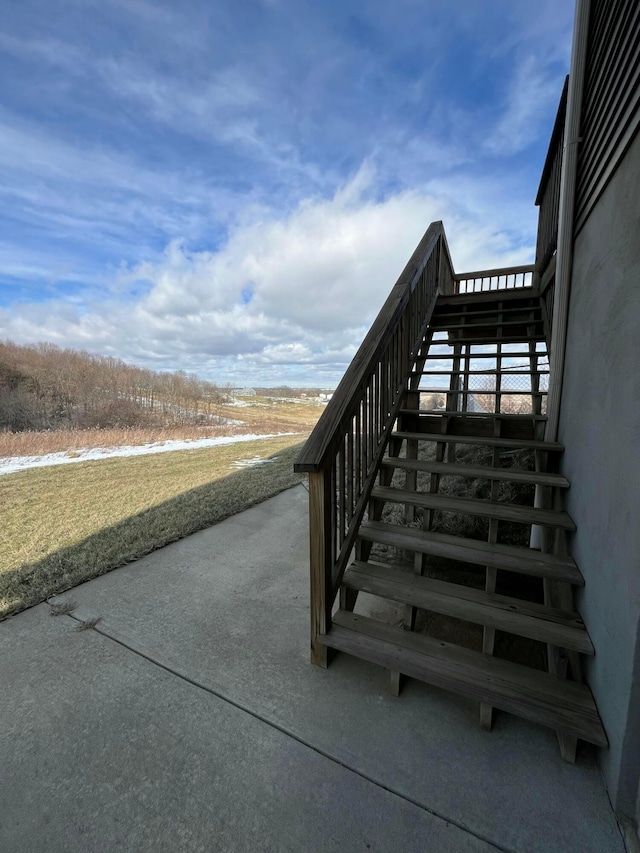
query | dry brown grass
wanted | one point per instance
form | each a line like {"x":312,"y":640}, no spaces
{"x":32,"y":443}
{"x":65,"y":524}
{"x":266,"y":415}
{"x":262,"y":417}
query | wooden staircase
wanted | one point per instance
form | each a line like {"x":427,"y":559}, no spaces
{"x":463,"y":479}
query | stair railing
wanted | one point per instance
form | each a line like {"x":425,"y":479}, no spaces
{"x":505,"y":278}
{"x":344,"y":450}
{"x":548,"y":197}
{"x":548,"y":200}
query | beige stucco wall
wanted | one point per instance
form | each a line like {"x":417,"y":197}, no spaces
{"x":600,"y":427}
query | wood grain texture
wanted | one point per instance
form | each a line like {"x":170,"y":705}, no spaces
{"x":320,"y":563}
{"x":486,"y":297}
{"x":508,"y":309}
{"x":524,"y":618}
{"x":481,"y":372}
{"x":480,"y":417}
{"x":471,"y":506}
{"x":488,"y":440}
{"x":480,"y":472}
{"x":440,"y":357}
{"x":483,"y":324}
{"x":534,"y":695}
{"x":522,"y":560}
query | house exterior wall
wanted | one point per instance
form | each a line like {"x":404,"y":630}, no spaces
{"x":600,"y":427}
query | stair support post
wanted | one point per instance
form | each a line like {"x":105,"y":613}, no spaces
{"x":559,"y":595}
{"x":409,"y":423}
{"x":320,"y":559}
{"x":489,"y":634}
{"x":534,"y":366}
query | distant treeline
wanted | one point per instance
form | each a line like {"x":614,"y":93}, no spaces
{"x":45,"y":387}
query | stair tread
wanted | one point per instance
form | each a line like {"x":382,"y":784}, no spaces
{"x":524,"y":618}
{"x":473,"y":506}
{"x":456,"y":413}
{"x":481,"y":392}
{"x":449,"y":356}
{"x":487,"y":340}
{"x":438,"y":325}
{"x":478,"y":471}
{"x":534,"y":695}
{"x":474,"y":439}
{"x":511,"y":294}
{"x":479,"y":372}
{"x":490,"y":310}
{"x":511,"y":558}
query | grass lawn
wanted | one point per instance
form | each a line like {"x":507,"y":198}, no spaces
{"x":66,"y":524}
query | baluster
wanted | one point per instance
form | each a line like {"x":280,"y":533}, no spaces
{"x":341,"y":491}
{"x":350,"y":472}
{"x":358,"y":449}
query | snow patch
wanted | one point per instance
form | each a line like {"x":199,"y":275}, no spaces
{"x":12,"y":464}
{"x":250,"y":463}
{"x":229,"y":422}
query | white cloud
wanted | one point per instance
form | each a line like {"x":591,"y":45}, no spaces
{"x":286,"y":296}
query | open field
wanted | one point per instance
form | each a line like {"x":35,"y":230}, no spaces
{"x":274,"y":414}
{"x":258,"y":415}
{"x":65,"y":524}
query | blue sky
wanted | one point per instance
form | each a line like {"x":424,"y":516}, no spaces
{"x":232,"y":187}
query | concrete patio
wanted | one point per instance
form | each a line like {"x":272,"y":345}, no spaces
{"x":190,"y":719}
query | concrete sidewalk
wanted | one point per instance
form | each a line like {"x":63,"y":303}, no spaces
{"x":190,"y":719}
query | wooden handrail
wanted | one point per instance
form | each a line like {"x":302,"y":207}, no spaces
{"x":555,"y":143}
{"x":504,"y":278}
{"x":502,"y":271}
{"x":548,"y":197}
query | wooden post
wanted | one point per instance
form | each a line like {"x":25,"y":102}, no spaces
{"x":410,"y":422}
{"x":489,"y":634}
{"x":320,"y":563}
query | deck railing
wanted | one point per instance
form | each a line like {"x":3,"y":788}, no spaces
{"x":506,"y":278}
{"x":548,"y":197}
{"x":342,"y":453}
